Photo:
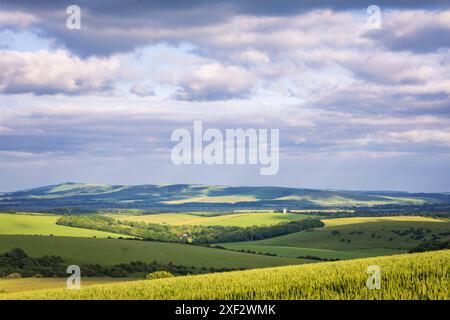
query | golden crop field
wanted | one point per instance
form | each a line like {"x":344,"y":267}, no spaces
{"x":407,"y":276}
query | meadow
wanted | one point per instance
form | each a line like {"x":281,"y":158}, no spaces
{"x":36,"y":224}
{"x":348,"y":238}
{"x":245,"y":219}
{"x":410,"y":276}
{"x":115,"y":251}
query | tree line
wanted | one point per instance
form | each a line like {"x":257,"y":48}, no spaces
{"x":18,"y":263}
{"x":187,"y":233}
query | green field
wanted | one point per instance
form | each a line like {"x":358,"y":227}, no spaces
{"x":35,"y":224}
{"x":371,"y":236}
{"x":115,"y":251}
{"x":246,"y":219}
{"x":30,"y":284}
{"x":409,"y":276}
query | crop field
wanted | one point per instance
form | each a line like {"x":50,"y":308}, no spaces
{"x":34,"y":224}
{"x":246,"y":219}
{"x":30,"y":284}
{"x":115,"y":251}
{"x":347,"y":238}
{"x":408,"y":276}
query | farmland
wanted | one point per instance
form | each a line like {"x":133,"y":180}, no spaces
{"x":402,"y":278}
{"x":246,"y":219}
{"x":115,"y":251}
{"x":348,"y":238}
{"x":35,"y":224}
{"x":292,"y":274}
{"x":30,"y":284}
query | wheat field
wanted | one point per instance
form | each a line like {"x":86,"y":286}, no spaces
{"x":407,"y":276}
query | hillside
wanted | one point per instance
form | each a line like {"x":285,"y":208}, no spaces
{"x":45,"y":225}
{"x":409,"y":276}
{"x":356,"y":237}
{"x":115,"y":251}
{"x":76,"y":197}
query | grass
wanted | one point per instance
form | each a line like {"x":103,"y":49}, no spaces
{"x":115,"y":251}
{"x":411,"y":276}
{"x":30,"y":284}
{"x":237,"y":219}
{"x":34,"y":224}
{"x":347,"y":238}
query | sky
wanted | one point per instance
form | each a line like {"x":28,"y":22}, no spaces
{"x":358,"y":107}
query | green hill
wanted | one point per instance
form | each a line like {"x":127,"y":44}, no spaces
{"x":35,"y":224}
{"x":409,"y":276}
{"x":347,"y":238}
{"x":76,"y":198}
{"x":114,"y":251}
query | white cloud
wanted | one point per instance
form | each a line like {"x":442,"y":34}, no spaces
{"x":16,"y":19}
{"x":46,"y":72}
{"x":214,"y":81}
{"x":420,"y":136}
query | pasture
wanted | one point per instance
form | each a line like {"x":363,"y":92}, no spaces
{"x":115,"y":251}
{"x":246,"y":219}
{"x":347,"y":238}
{"x":35,"y":224}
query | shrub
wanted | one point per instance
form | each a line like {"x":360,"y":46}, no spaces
{"x":13,"y":276}
{"x":38,"y":275}
{"x":158,"y":275}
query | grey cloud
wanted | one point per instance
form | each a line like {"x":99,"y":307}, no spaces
{"x":417,"y":31}
{"x":54,"y":72}
{"x":108,"y":25}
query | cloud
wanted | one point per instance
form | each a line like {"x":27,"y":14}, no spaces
{"x":214,"y":81}
{"x":46,"y":72}
{"x":334,"y":89}
{"x":414,"y":30}
{"x":420,"y":136}
{"x":109,"y":27}
{"x":16,"y":19}
{"x":142,"y":90}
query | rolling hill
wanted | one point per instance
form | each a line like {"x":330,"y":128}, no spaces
{"x":402,"y":277}
{"x":348,"y":238}
{"x":76,"y":198}
{"x":45,"y":225}
{"x":115,"y":251}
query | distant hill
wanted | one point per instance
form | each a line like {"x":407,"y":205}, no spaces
{"x":78,"y":197}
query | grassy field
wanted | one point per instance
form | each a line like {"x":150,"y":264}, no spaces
{"x":237,"y":219}
{"x":34,"y":224}
{"x":31,"y":284}
{"x":115,"y":251}
{"x":409,"y":276}
{"x":347,"y":238}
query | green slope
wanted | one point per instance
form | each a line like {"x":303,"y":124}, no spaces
{"x":414,"y":276}
{"x":237,"y":219}
{"x":347,"y":238}
{"x":35,"y":224}
{"x":115,"y":251}
{"x":161,"y":197}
